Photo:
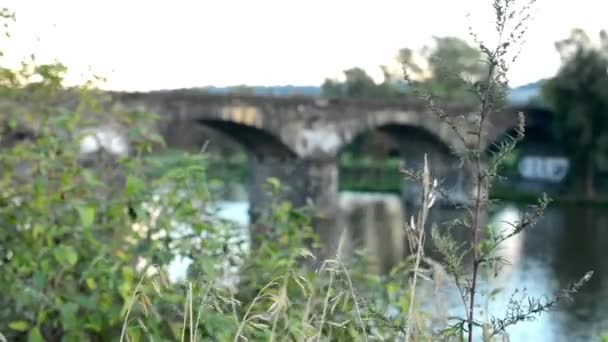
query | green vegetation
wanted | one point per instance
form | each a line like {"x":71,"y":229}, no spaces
{"x":448,"y":69}
{"x":358,"y":84}
{"x":357,"y":174}
{"x":225,"y":169}
{"x":451,"y":71}
{"x":438,"y":69}
{"x":468,"y":263}
{"x":579,"y":98}
{"x":86,"y":240}
{"x":361,"y":174}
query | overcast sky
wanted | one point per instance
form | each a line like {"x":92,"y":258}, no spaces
{"x":147,"y":44}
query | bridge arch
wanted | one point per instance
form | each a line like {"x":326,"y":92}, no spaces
{"x":408,"y":141}
{"x":246,"y":150}
{"x":261,"y":143}
{"x":372,"y":162}
{"x":267,"y":157}
{"x":427,"y":124}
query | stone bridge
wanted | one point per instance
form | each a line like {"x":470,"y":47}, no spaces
{"x":298,"y":139}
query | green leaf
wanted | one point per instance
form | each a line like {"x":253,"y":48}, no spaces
{"x":66,"y":255}
{"x":34,"y":335}
{"x":91,"y":283}
{"x":157,"y":138}
{"x":275,"y":183}
{"x":37,"y":230}
{"x":134,"y":185}
{"x":134,"y":132}
{"x":18,"y":325}
{"x":39,"y":280}
{"x":91,"y":178}
{"x":94,"y":322}
{"x":69,"y":319}
{"x":42,"y":316}
{"x":87,"y":215}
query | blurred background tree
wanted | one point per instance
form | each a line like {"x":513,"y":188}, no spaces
{"x":447,"y":69}
{"x":578,"y":95}
{"x":439,"y":69}
{"x":358,"y":84}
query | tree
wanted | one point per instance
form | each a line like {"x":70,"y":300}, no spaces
{"x":332,"y":88}
{"x":358,"y":84}
{"x":449,"y":69}
{"x":578,"y":95}
{"x":242,"y":90}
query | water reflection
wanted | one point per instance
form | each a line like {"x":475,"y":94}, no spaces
{"x":580,"y":244}
{"x":565,"y":244}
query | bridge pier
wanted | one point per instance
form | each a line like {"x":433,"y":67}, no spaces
{"x":312,"y":179}
{"x":321,"y":189}
{"x":261,"y":168}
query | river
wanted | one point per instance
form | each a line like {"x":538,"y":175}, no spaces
{"x":565,"y":244}
{"x":557,"y":251}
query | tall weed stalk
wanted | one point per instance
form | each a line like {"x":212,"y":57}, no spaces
{"x":511,"y":20}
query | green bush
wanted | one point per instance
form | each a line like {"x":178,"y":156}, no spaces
{"x":69,"y":250}
{"x":86,"y":239}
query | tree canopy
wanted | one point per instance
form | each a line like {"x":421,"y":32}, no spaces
{"x":578,"y":95}
{"x":438,"y":69}
{"x":447,"y":69}
{"x":358,"y":84}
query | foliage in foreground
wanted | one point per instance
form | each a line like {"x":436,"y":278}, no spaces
{"x":86,"y":238}
{"x":468,"y":264}
{"x":86,"y":241}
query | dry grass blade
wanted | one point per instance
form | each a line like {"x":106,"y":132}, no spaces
{"x":427,"y":200}
{"x":356,"y":303}
{"x":132,"y":302}
{"x":200,"y":307}
{"x":246,"y":317}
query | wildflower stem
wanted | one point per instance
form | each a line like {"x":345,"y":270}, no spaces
{"x":426,"y":199}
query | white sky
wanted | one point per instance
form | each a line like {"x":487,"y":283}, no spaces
{"x":148,"y":44}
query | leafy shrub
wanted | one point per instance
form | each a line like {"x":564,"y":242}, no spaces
{"x":87,"y":237}
{"x":87,"y":234}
